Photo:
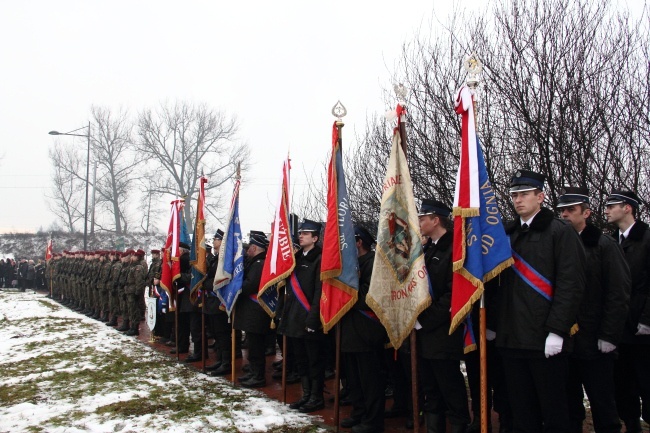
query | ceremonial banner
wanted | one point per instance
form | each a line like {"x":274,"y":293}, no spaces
{"x":170,"y":264}
{"x":48,"y":250}
{"x":198,"y":258}
{"x":339,"y":264}
{"x":151,"y":303}
{"x":280,"y":260}
{"x":230,"y":270}
{"x":399,"y":286}
{"x":481,"y":248}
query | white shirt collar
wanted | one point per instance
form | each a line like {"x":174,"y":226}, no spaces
{"x":627,"y":232}
{"x":529,"y":221}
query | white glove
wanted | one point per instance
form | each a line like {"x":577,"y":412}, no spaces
{"x":605,"y":346}
{"x":553,"y":344}
{"x":490,"y":335}
{"x":642,"y":329}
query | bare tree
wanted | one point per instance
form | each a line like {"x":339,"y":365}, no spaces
{"x":67,"y":194}
{"x":117,"y":161}
{"x":184,"y":140}
{"x":564,"y":92}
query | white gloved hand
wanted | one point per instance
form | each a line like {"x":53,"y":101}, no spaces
{"x":553,"y":344}
{"x":605,"y":346}
{"x":642,"y":329}
{"x":490,"y":335}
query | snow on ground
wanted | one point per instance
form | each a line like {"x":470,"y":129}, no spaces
{"x":63,"y":372}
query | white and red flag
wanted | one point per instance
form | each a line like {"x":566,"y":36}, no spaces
{"x":280,"y":260}
{"x":48,"y":250}
{"x":481,"y":249}
{"x":171,"y":265}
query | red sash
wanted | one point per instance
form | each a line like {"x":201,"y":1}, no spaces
{"x":533,"y":278}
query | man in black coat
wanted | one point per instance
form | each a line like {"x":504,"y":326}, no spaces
{"x":301,"y":319}
{"x":362,"y":342}
{"x":632,"y":370}
{"x":439,"y":354}
{"x":186,"y":326}
{"x":250,"y":317}
{"x":217,"y":318}
{"x":537,"y":304}
{"x":601,"y":318}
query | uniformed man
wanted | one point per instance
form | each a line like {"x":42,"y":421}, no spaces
{"x":537,"y":303}
{"x":121,"y":293}
{"x":134,"y":290}
{"x":439,"y":354}
{"x":632,"y":371}
{"x":601,"y":318}
{"x":301,"y":319}
{"x":363,"y":339}
{"x":250,"y":317}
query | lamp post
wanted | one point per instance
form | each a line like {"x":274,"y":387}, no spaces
{"x":87,"y":135}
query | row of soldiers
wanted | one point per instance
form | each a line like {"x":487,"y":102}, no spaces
{"x":104,"y":285}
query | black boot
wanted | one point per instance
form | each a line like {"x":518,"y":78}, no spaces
{"x":125,"y":326}
{"x":104,"y":318}
{"x":316,"y":400}
{"x":306,"y":393}
{"x":112,"y":322}
{"x":458,"y":428}
{"x":217,"y":364}
{"x":432,"y":421}
{"x":194,"y":357}
{"x":257,"y":379}
{"x":133,"y":331}
{"x":225,"y":367}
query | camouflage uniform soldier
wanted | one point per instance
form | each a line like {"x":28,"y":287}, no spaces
{"x":124,"y":272}
{"x":104,"y":284}
{"x":95,"y":271}
{"x":134,"y":290}
{"x":112,"y":284}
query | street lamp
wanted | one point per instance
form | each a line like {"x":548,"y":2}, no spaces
{"x":87,"y":135}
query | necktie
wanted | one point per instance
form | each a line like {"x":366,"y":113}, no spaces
{"x":524,"y":227}
{"x":622,"y":239}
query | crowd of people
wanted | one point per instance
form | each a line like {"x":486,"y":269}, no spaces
{"x":571,"y":314}
{"x":22,"y":274}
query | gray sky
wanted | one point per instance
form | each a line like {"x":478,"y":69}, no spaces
{"x":278,"y":66}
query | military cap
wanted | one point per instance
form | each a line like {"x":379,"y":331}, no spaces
{"x":363,"y":234}
{"x":623,"y":196}
{"x":573,"y":195}
{"x":140,"y":253}
{"x":431,"y":206}
{"x":218,"y":234}
{"x":258,"y":238}
{"x":155,"y":251}
{"x":310,"y":226}
{"x":129,"y":252}
{"x":184,"y":245}
{"x":526,"y":180}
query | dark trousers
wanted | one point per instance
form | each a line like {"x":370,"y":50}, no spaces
{"x":184,"y":320}
{"x":221,"y":330}
{"x":195,"y":330}
{"x":537,"y":393}
{"x":366,"y":383}
{"x":443,"y":388}
{"x":597,"y":377}
{"x":310,"y":358}
{"x":256,"y":358}
{"x":632,"y":378}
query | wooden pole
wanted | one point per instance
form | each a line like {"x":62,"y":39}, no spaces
{"x":337,"y":359}
{"x":204,"y":348}
{"x":233,"y":338}
{"x":178,"y":355}
{"x":483,"y":370}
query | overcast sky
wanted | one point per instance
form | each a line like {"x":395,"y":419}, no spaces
{"x":278,"y":66}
